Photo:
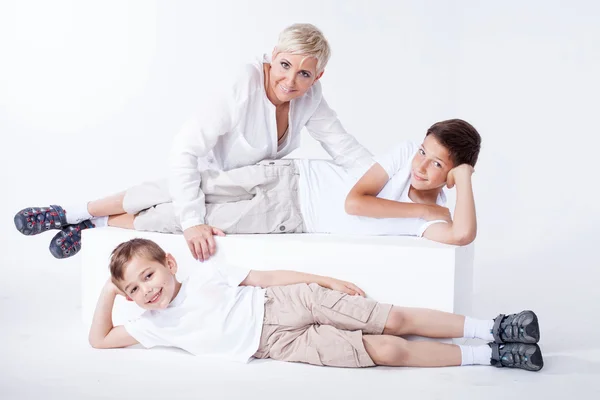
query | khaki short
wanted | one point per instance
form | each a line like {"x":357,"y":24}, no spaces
{"x":315,"y":325}
{"x":260,"y":198}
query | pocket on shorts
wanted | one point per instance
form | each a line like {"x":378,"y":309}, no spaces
{"x":355,"y":307}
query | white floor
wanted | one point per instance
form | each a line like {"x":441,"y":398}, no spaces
{"x":44,"y":354}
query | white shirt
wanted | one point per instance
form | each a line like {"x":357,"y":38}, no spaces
{"x":323,"y":188}
{"x":239,"y":128}
{"x":210,"y":316}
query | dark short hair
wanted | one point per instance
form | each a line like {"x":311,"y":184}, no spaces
{"x":123,"y":253}
{"x":460,"y":138}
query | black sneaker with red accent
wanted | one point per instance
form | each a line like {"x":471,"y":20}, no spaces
{"x":67,"y":242}
{"x":34,"y":220}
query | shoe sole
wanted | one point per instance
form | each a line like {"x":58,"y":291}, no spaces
{"x":28,"y":229}
{"x":532,"y":330}
{"x":57,"y":251}
{"x":537,"y":361}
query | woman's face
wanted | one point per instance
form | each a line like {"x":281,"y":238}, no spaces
{"x":290,"y":76}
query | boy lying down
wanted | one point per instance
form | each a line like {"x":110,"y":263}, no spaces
{"x":239,"y":314}
{"x":401,"y":193}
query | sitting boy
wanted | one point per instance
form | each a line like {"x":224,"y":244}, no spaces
{"x":402,"y":193}
{"x":237,"y":313}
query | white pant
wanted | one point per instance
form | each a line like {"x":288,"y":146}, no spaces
{"x":260,"y":198}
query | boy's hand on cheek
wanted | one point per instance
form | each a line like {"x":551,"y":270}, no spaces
{"x":344,"y":287}
{"x":458,"y":173}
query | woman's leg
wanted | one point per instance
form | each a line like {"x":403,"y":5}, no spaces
{"x":124,"y":221}
{"x":111,"y":205}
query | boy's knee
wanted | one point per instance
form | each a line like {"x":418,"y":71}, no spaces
{"x":390,"y":351}
{"x":398,"y":321}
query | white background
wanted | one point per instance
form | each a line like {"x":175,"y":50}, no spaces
{"x":91,"y":94}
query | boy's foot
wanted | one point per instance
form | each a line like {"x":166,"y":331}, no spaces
{"x":34,"y":220}
{"x":517,"y":355}
{"x":67,"y":242}
{"x":516,"y":328}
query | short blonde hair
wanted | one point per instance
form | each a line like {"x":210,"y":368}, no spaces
{"x":305,"y":39}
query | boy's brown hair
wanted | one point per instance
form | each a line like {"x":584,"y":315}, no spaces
{"x":124,"y":252}
{"x":460,"y":138}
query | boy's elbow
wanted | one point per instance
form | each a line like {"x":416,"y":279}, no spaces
{"x":96,"y":343}
{"x":352,"y":204}
{"x":465,"y":238}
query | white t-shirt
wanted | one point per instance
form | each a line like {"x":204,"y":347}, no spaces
{"x":210,"y":316}
{"x":238,"y":127}
{"x":324,"y":187}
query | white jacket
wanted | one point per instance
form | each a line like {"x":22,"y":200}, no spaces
{"x":240,"y":129}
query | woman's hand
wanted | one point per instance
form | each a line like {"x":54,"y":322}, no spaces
{"x":201,"y":242}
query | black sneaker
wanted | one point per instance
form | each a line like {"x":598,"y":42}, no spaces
{"x":517,"y":355}
{"x":67,"y":242}
{"x":516,"y":328}
{"x":34,"y":220}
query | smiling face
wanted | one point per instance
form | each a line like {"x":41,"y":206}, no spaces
{"x":430,"y":165}
{"x":290,"y":76}
{"x":151,"y":284}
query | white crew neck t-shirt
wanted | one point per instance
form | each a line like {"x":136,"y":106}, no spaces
{"x":324,"y":187}
{"x":210,"y":316}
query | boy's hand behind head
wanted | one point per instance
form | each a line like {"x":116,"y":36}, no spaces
{"x":457,"y":173}
{"x":112,"y":288}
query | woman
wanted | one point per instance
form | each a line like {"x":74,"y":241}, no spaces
{"x":259,"y":117}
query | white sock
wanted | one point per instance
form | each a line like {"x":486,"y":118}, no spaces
{"x":478,"y":328}
{"x":77,"y":213}
{"x":100,"y":222}
{"x":476,"y":355}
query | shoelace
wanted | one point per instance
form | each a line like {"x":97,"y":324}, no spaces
{"x":72,"y":239}
{"x":516,"y":359}
{"x":510,"y":328}
{"x":67,"y":242}
{"x":503,"y":357}
{"x":42,"y":217}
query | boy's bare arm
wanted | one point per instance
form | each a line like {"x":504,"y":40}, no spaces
{"x":282,"y":278}
{"x":103,"y":335}
{"x":463,"y":229}
{"x":362,"y":200}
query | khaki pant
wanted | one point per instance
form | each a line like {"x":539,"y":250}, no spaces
{"x":260,"y":198}
{"x":315,"y":325}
